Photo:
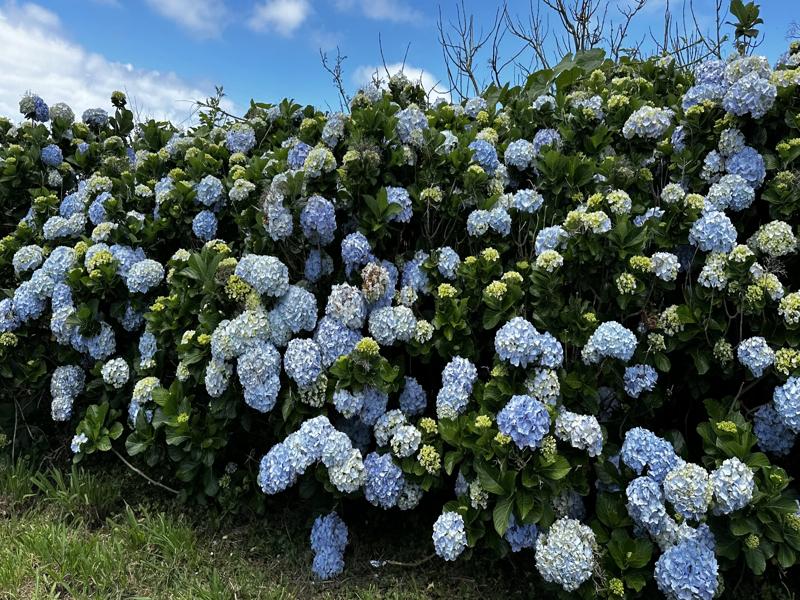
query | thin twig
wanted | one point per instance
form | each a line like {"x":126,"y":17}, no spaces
{"x":142,"y":474}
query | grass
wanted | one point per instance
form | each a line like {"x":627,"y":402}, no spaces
{"x":75,"y":534}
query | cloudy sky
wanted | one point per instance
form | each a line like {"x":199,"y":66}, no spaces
{"x":167,"y":53}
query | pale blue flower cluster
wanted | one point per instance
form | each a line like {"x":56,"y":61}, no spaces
{"x":356,"y":251}
{"x":473,"y":106}
{"x":546,"y":139}
{"x":209,"y":191}
{"x":687,"y":571}
{"x":413,"y":399}
{"x":144,"y":276}
{"x":786,"y":400}
{"x":648,"y":122}
{"x":713,"y":232}
{"x":259,"y":369}
{"x":95,"y":117}
{"x":458,"y":377}
{"x":643,"y":449}
{"x":688,"y":489}
{"x":328,"y":541}
{"x":550,"y":238}
{"x":204,"y":225}
{"x":527,"y":201}
{"x":755,"y":354}
{"x":411,"y":124}
{"x":391,"y":324}
{"x":609,"y":340}
{"x":449,"y":535}
{"x":303,"y":361}
{"x":519,"y":343}
{"x":485,"y":155}
{"x":384,"y":480}
{"x":733,"y":485}
{"x":580,"y":431}
{"x":773,"y":435}
{"x":115,"y":373}
{"x":27,"y":258}
{"x":646,"y":505}
{"x":447,"y":262}
{"x":297,"y":155}
{"x":731,"y":191}
{"x":51,"y":156}
{"x":240,"y":138}
{"x":520,"y":536}
{"x":334,"y":340}
{"x":318,"y":220}
{"x":66,"y":383}
{"x":638,"y":379}
{"x":520,"y":154}
{"x":525,"y":420}
{"x":268,"y":275}
{"x":565,"y":554}
{"x":400,"y":197}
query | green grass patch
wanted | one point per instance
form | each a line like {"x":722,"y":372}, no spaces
{"x":74,"y":534}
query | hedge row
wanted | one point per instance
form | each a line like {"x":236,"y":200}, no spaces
{"x":565,"y":313}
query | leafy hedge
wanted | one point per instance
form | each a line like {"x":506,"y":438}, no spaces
{"x":564,"y":313}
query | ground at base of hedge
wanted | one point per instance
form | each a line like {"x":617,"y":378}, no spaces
{"x":68,"y":533}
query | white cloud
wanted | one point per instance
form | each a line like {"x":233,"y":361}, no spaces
{"x":366,"y":73}
{"x":46,"y":62}
{"x":281,"y":16}
{"x":383,"y":10}
{"x":205,"y":18}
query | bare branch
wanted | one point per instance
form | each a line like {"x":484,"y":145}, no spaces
{"x":336,"y":71}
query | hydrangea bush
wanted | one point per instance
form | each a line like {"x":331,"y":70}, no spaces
{"x":561,"y":320}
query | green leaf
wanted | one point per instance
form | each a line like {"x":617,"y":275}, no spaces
{"x":557,"y":470}
{"x":502,"y":513}
{"x":489,"y":478}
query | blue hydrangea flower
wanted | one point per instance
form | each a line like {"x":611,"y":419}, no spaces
{"x":580,"y":431}
{"x":334,"y":340}
{"x":525,"y":420}
{"x":318,"y":219}
{"x":499,"y":220}
{"x":411,"y":124}
{"x":520,"y":154}
{"x":348,"y":403}
{"x":458,"y":377}
{"x":640,"y":378}
{"x":643,"y":449}
{"x":204,"y":225}
{"x":240,"y":138}
{"x":565,"y":554}
{"x":297,"y":155}
{"x":27,"y":258}
{"x":646,"y":504}
{"x":266,"y":274}
{"x":786,"y":400}
{"x":473,"y":106}
{"x":97,"y":209}
{"x":485,"y":155}
{"x":755,"y":354}
{"x":648,"y":122}
{"x":517,"y":342}
{"x":713,"y":232}
{"x":750,"y":94}
{"x":733,"y":485}
{"x":384,"y":480}
{"x":144,"y":275}
{"x":447,"y":261}
{"x":52,"y":156}
{"x":413,"y":398}
{"x":303,"y":361}
{"x":546,"y":138}
{"x":328,"y":541}
{"x":478,"y":222}
{"x":28,"y":302}
{"x":78,"y":441}
{"x":413,"y":275}
{"x":687,"y":571}
{"x":520,"y":536}
{"x":748,"y":164}
{"x":374,"y":407}
{"x":400,"y":197}
{"x":356,"y":251}
{"x":115,"y":373}
{"x":688,"y":489}
{"x":275,"y":472}
{"x":66,"y":383}
{"x":95,"y":117}
{"x":609,"y":340}
{"x":278,"y":221}
{"x":772,"y":433}
{"x":209,"y":191}
{"x":334,"y":129}
{"x":527,"y":201}
{"x":318,"y":264}
{"x":449,"y":536}
{"x":550,"y":238}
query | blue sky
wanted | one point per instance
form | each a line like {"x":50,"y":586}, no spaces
{"x":166,"y":53}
